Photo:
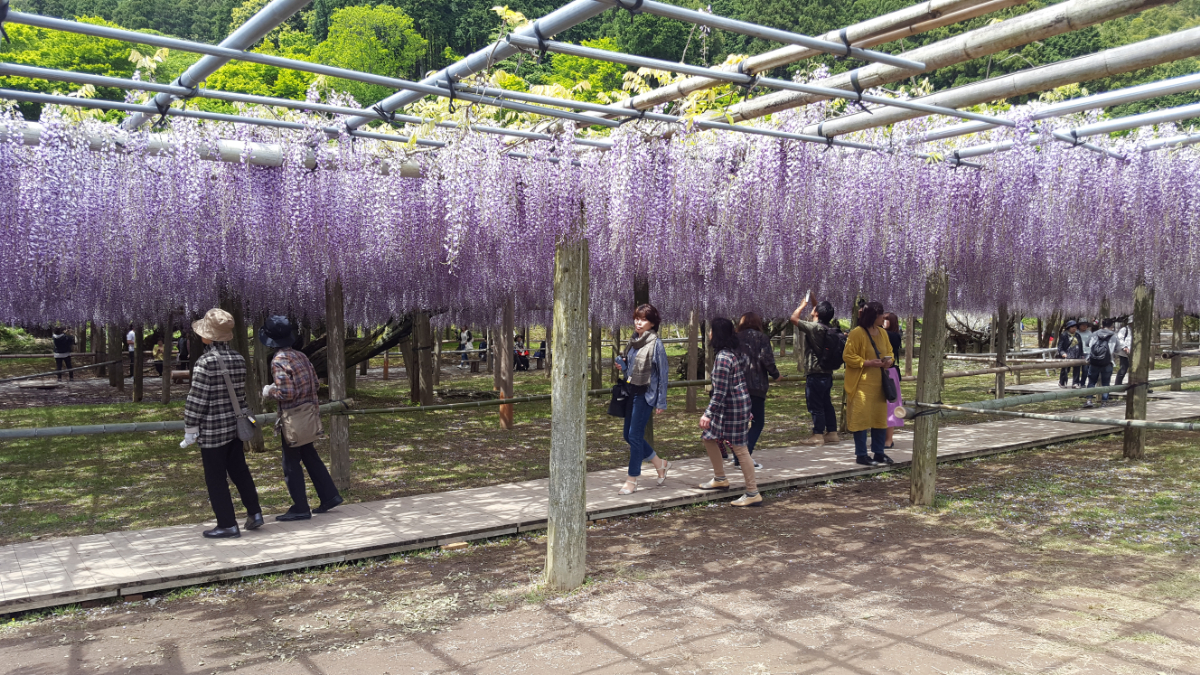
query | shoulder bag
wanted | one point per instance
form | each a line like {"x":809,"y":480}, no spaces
{"x":300,"y":425}
{"x":889,"y":387}
{"x":246,"y":424}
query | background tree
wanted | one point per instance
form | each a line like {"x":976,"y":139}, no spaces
{"x":378,"y":40}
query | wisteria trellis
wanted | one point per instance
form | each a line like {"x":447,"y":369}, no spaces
{"x":718,"y":221}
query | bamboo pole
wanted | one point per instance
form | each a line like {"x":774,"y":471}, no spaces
{"x":505,"y":366}
{"x":52,"y":373}
{"x":566,"y":532}
{"x":693,"y":358}
{"x":1000,"y":347}
{"x":929,"y":388}
{"x":1070,"y":419}
{"x":138,"y":357}
{"x":1177,"y":345}
{"x":335,"y":348}
{"x":990,"y":39}
{"x":168,"y":365}
{"x":1139,"y":372}
{"x":425,"y":357}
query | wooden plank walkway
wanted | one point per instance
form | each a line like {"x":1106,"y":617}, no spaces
{"x":75,"y":569}
{"x":1052,"y":385}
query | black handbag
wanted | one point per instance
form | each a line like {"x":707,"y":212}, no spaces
{"x":619,"y":405}
{"x":889,"y":387}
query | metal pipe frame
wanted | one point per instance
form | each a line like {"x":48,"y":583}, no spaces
{"x":246,"y":36}
{"x":744,"y":79}
{"x":291,"y":64}
{"x":770,"y":34}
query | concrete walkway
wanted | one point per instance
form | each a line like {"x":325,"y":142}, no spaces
{"x":75,"y":569}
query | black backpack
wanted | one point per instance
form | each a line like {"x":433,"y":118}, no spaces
{"x":1100,"y":353}
{"x":829,"y":351}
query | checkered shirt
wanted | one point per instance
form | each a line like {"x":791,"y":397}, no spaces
{"x":295,"y":379}
{"x":208,"y":406}
{"x":729,"y":408}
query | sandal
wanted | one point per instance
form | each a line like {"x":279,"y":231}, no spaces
{"x":662,"y":473}
{"x":626,"y":490}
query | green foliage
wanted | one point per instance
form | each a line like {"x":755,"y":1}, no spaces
{"x":262,"y":80}
{"x":572,"y":71}
{"x":17,"y":341}
{"x":379,"y":40}
{"x":204,"y":20}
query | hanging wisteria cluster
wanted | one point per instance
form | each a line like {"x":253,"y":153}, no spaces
{"x":717,"y":221}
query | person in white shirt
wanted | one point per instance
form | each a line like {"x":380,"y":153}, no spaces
{"x":465,"y":343}
{"x":130,"y":341}
{"x":1124,"y":342}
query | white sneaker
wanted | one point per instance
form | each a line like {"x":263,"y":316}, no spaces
{"x":757,"y":465}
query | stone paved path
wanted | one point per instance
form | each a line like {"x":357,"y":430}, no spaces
{"x":75,"y":569}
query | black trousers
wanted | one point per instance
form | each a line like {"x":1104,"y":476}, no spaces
{"x":1076,"y":375}
{"x":293,"y":475}
{"x":228,"y":460}
{"x":58,"y":365}
{"x":1124,"y":370}
{"x":131,"y":364}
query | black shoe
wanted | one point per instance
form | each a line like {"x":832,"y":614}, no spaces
{"x":254,"y":522}
{"x":864,"y":460}
{"x":222,"y":533}
{"x":882,"y":458}
{"x":289,"y":516}
{"x":323,"y":508}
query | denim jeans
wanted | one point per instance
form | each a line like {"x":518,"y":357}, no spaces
{"x":1124,"y":369}
{"x":758,"y":408}
{"x":1101,"y":373}
{"x":818,"y":397}
{"x":878,"y":440}
{"x":635,"y":434}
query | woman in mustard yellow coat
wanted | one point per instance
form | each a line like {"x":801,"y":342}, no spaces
{"x":866,"y":405}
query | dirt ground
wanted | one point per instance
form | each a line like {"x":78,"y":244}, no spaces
{"x":841,"y":578}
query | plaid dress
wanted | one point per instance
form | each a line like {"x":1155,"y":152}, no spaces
{"x":729,"y":408}
{"x":208,"y":406}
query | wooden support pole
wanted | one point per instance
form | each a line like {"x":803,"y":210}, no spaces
{"x":100,"y":349}
{"x":241,"y":344}
{"x":436,"y":374}
{"x":386,"y":364}
{"x":335,"y":347}
{"x":425,"y":356}
{"x":1020,"y":341}
{"x":597,"y":376}
{"x":139,"y":346}
{"x":1143,"y":331}
{"x":412,"y":365}
{"x":168,"y":332}
{"x":910,"y":344}
{"x":504,"y":356}
{"x":1000,"y":347}
{"x":116,"y":352}
{"x":1177,"y":346}
{"x":616,"y":336}
{"x":566,"y":531}
{"x":693,"y":358}
{"x":929,"y":389}
{"x":261,"y":365}
{"x":366,"y":363}
{"x":549,"y":349}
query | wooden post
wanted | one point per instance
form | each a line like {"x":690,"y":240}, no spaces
{"x":1143,"y":333}
{"x":493,"y":354}
{"x":549,"y":343}
{"x":168,"y":333}
{"x":616,"y":336}
{"x":929,"y":390}
{"x":910,"y":345}
{"x":693,"y":358}
{"x":241,"y":343}
{"x":425,"y":357}
{"x":335,"y":349}
{"x":100,"y":349}
{"x":436,"y":372}
{"x":363,"y":366}
{"x":1020,"y":341}
{"x":262,"y":371}
{"x":1000,"y":343}
{"x":386,"y":364}
{"x":566,"y":532}
{"x":139,"y":346}
{"x":412,"y":364}
{"x":505,"y":366}
{"x":1177,"y":345}
{"x":597,"y":382}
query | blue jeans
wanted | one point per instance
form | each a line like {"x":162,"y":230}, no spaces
{"x":635,"y":434}
{"x":878,"y":439}
{"x":1103,"y":374}
{"x":818,"y":397}
{"x":758,"y":408}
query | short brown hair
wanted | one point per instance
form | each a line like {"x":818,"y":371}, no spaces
{"x":649,"y":313}
{"x":750,"y":320}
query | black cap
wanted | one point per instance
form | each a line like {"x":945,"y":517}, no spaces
{"x":277,"y":333}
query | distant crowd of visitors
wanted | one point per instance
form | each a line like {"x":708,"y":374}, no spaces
{"x":1099,"y":348}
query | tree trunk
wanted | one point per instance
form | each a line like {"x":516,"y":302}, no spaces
{"x":597,"y":382}
{"x":566,"y":533}
{"x":241,"y":343}
{"x":505,"y":365}
{"x":339,"y":425}
{"x":425,"y":357}
{"x":910,"y":345}
{"x":412,"y":364}
{"x":1177,"y":346}
{"x":549,"y":343}
{"x":117,"y":351}
{"x":1000,"y":346}
{"x":616,"y":336}
{"x":100,"y":349}
{"x":693,"y":360}
{"x":1143,"y":333}
{"x":436,"y":372}
{"x":929,"y":390}
{"x":139,"y":346}
{"x":365,"y":364}
{"x":1020,"y":341}
{"x":168,"y":332}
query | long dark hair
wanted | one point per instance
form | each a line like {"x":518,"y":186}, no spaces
{"x":750,"y":321}
{"x":893,"y":323}
{"x":723,"y":336}
{"x":870,"y":312}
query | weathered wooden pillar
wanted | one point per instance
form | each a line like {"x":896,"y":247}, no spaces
{"x":1177,"y":346}
{"x":693,"y":358}
{"x":365,"y":364}
{"x":566,"y":532}
{"x":437,"y":361}
{"x":139,"y":346}
{"x":505,"y":366}
{"x":616,"y":336}
{"x":262,"y":368}
{"x":335,"y":350}
{"x":100,"y":349}
{"x":493,"y":351}
{"x":386,"y":363}
{"x":929,"y":390}
{"x":412,"y":363}
{"x":1000,"y":338}
{"x":168,"y":334}
{"x":241,"y":344}
{"x":910,"y":345}
{"x":597,"y":382}
{"x":425,"y":356}
{"x":549,"y":342}
{"x":1143,"y":332}
{"x":116,"y":352}
{"x":1020,"y":342}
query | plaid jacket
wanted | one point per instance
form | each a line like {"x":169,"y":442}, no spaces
{"x":295,"y":379}
{"x":729,"y":408}
{"x":208,"y":406}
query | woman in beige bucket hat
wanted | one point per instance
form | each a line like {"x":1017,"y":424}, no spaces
{"x":211,"y":420}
